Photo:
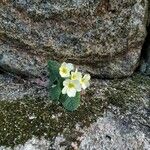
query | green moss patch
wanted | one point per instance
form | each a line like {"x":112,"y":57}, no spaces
{"x":128,"y":92}
{"x":21,"y":119}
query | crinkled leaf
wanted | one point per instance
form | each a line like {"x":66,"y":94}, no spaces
{"x":55,"y":91}
{"x":53,"y":68}
{"x":62,"y":98}
{"x":72,"y":103}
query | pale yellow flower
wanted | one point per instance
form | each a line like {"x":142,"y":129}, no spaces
{"x":85,"y":81}
{"x":76,"y":75}
{"x":65,"y":69}
{"x":71,"y":87}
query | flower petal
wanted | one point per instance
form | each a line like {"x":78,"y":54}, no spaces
{"x":84,"y":86}
{"x":77,"y":85}
{"x":87,"y":76}
{"x":62,"y":73}
{"x":70,"y":66}
{"x":71,"y":92}
{"x":64,"y":64}
{"x":87,"y":84}
{"x":64,"y":90}
{"x":66,"y":82}
{"x":67,"y":74}
{"x":76,"y":75}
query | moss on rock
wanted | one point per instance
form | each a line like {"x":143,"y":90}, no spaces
{"x":23,"y":118}
{"x":128,"y":92}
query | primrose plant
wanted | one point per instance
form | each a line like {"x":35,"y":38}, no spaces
{"x":66,"y":84}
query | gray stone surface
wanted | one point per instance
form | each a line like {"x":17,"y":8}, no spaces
{"x":19,"y":63}
{"x":104,"y":37}
{"x":117,"y":116}
{"x":14,"y":87}
{"x":108,"y":133}
{"x":31,"y":144}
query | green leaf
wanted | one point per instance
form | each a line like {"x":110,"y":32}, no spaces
{"x":72,"y":103}
{"x":62,"y":98}
{"x":53,"y":68}
{"x":55,"y":92}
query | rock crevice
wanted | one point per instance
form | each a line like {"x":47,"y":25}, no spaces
{"x":145,"y":55}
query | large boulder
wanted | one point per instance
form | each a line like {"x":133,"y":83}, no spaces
{"x":104,"y":37}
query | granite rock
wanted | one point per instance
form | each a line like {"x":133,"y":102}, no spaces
{"x":117,"y":116}
{"x":103,"y":37}
{"x":21,"y":64}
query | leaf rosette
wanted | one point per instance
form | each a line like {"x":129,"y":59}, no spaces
{"x":66,"y":84}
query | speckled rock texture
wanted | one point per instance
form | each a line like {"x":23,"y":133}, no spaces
{"x":145,"y":59}
{"x":117,"y":116}
{"x":19,"y":63}
{"x":102,"y":37}
{"x":14,"y":87}
{"x":105,"y":37}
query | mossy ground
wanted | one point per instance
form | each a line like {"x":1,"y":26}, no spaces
{"x":22,"y":119}
{"x":129,"y":92}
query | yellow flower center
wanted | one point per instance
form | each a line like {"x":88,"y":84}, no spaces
{"x":71,"y":85}
{"x":73,"y":77}
{"x":64,"y":70}
{"x":82,"y":80}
